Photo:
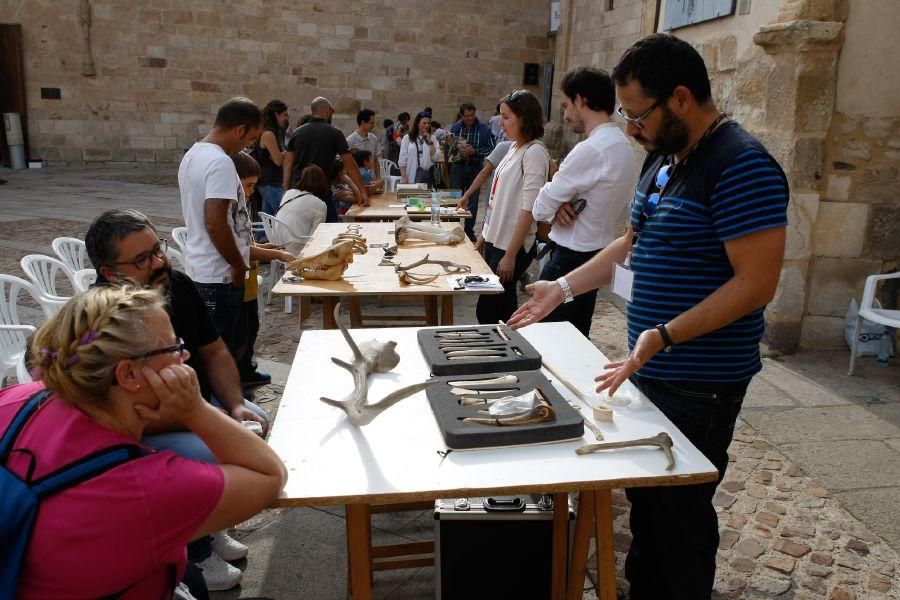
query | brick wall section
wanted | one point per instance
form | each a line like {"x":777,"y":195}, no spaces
{"x":164,"y":68}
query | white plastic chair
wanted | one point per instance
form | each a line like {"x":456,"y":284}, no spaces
{"x":867,"y":311}
{"x":279,"y":232}
{"x":43,"y":271}
{"x":72,"y":252}
{"x":180,"y":235}
{"x":85,"y":278}
{"x":176,"y":258}
{"x":386,"y":165}
{"x":14,"y":333}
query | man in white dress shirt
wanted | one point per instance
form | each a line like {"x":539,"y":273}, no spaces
{"x":588,"y":194}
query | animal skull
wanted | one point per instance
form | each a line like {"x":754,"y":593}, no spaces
{"x":329,"y":264}
{"x":369,"y":357}
{"x":406,"y":229}
{"x":359,"y":242}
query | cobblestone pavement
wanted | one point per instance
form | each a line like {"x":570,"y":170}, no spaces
{"x":784,"y":533}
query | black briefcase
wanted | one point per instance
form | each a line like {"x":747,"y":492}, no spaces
{"x":495,"y":548}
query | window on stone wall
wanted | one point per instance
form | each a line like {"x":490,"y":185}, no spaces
{"x":681,"y":13}
{"x":609,"y":4}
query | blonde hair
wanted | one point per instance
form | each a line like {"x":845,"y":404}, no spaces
{"x":75,"y":353}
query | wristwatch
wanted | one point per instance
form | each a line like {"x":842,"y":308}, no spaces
{"x":566,"y":289}
{"x":667,"y":341}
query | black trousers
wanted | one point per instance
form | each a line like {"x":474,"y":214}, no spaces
{"x":462,"y":174}
{"x":579,"y":311}
{"x":675,"y":530}
{"x":500,"y":307}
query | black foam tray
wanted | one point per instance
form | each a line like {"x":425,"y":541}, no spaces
{"x":461,"y":436}
{"x":518,"y":354}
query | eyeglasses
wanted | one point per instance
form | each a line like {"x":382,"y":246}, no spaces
{"x":144,"y":259}
{"x":637,"y":121}
{"x":179,"y":348}
{"x":662,"y":178}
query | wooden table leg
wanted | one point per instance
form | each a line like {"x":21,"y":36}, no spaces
{"x":328,"y":304}
{"x":431,"y":316}
{"x":359,"y":558}
{"x":305,"y":308}
{"x":581,"y":544}
{"x":606,"y":555}
{"x":355,"y":312}
{"x":447,"y":309}
{"x":560,"y":546}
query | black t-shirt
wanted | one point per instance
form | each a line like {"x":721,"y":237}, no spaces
{"x":316,"y":143}
{"x":190,"y":320}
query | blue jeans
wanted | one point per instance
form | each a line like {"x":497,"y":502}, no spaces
{"x":462,"y":175}
{"x":271,"y":198}
{"x":675,"y":531}
{"x":224,"y":302}
{"x":580,"y":311}
{"x":187,"y":444}
{"x":500,"y":307}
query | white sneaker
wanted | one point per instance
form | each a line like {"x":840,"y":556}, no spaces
{"x":218,"y":574}
{"x":227,"y":547}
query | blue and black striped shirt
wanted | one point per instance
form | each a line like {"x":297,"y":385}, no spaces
{"x":729,"y":187}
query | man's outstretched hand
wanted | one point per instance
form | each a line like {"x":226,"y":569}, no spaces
{"x":648,"y":344}
{"x":545,"y":296}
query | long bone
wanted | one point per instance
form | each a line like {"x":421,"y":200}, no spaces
{"x":369,"y":357}
{"x":460,"y":391}
{"x":660,"y":440}
{"x":473,"y":352}
{"x":476,"y":357}
{"x":405,"y":229}
{"x":503,"y":379}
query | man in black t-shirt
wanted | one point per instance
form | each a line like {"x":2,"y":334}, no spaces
{"x":319,"y":143}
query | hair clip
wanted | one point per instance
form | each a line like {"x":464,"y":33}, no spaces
{"x":72,"y":360}
{"x":48,"y":353}
{"x":89,"y":337}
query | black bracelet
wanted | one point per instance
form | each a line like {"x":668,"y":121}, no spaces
{"x":667,"y":341}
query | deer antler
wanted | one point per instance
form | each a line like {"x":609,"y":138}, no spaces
{"x":369,"y":357}
{"x":448,"y":266}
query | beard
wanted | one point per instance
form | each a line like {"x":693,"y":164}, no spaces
{"x":672,"y":137}
{"x":160,"y":276}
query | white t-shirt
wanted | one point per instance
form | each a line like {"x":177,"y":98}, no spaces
{"x":413,"y":156}
{"x":517,"y":180}
{"x":206,"y":172}
{"x":302,"y":212}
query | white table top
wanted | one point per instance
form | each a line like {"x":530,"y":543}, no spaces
{"x":396,"y":457}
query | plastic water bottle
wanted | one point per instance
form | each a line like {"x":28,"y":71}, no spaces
{"x":884,"y":349}
{"x":436,"y":209}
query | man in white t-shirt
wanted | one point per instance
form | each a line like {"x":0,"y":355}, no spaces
{"x":362,"y":137}
{"x":589,"y":192}
{"x":216,"y":215}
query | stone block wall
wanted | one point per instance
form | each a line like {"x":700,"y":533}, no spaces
{"x":163,"y":68}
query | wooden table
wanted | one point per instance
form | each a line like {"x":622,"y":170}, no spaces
{"x":364,"y":276}
{"x":395,"y":458}
{"x":380,"y":209}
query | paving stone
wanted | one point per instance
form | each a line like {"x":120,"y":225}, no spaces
{"x":732,"y":486}
{"x":840,"y":593}
{"x":817,"y":570}
{"x":736,"y":522}
{"x":813,"y":503}
{"x":821,"y":558}
{"x":763,"y":477}
{"x":848,"y":577}
{"x":722,"y":499}
{"x":749,"y":548}
{"x":760,"y":532}
{"x":798,"y":531}
{"x":742,"y":563}
{"x":768,"y":519}
{"x":817,"y":491}
{"x":756,"y":491}
{"x":771,"y":465}
{"x":778,"y":509}
{"x":744,"y":506}
{"x":768,"y":585}
{"x":858,"y":546}
{"x":728,"y":538}
{"x":780,"y":563}
{"x":850,"y":561}
{"x":791,"y":548}
{"x":793,"y":471}
{"x":879,"y":583}
{"x":812,"y":583}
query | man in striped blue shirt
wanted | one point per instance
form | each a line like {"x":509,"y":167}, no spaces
{"x":704,"y":247}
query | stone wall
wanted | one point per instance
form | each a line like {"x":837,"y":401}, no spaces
{"x":163,"y":68}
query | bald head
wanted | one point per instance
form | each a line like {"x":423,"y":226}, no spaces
{"x":321,"y":107}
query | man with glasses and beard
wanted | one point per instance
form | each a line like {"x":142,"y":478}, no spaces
{"x":697,"y":265}
{"x":124,"y":246}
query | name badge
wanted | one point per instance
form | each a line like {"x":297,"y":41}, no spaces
{"x":622,"y":281}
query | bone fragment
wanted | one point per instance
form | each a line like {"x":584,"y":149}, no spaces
{"x":539,"y":414}
{"x":660,"y":440}
{"x":469,"y":392}
{"x":603,"y":412}
{"x":407,"y":278}
{"x":604,"y":415}
{"x":472,"y":352}
{"x":369,"y":357}
{"x":503,"y":379}
{"x":500,"y":331}
{"x":476,"y":357}
{"x":470,"y":401}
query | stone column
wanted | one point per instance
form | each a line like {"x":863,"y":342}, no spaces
{"x":799,"y":99}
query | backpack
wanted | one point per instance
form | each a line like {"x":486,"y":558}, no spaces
{"x":20,"y":498}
